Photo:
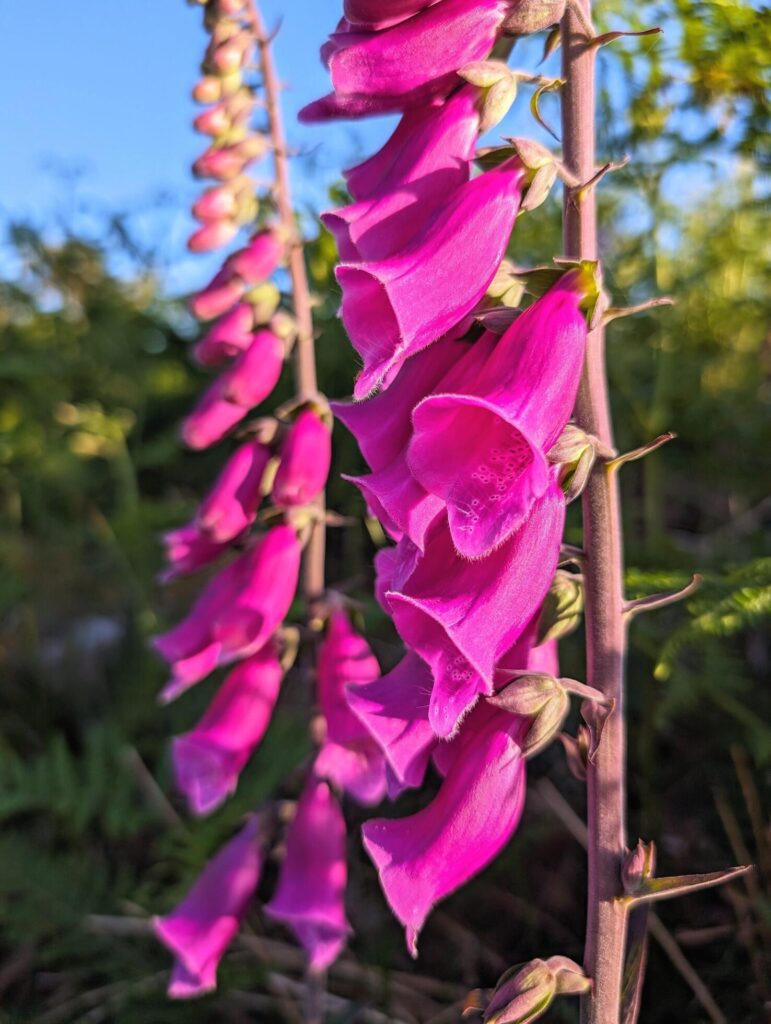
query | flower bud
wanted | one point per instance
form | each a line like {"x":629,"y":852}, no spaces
{"x":212,"y":236}
{"x":575,"y":452}
{"x":230,"y":8}
{"x":207,"y":90}
{"x":485,"y":73}
{"x":639,"y":866}
{"x":306,"y":455}
{"x":224,"y":163}
{"x":213,"y":121}
{"x":215,"y":204}
{"x":538,"y":696}
{"x":220,"y":295}
{"x":258,"y":260}
{"x":229,"y":336}
{"x":231,"y":55}
{"x":523,"y":994}
{"x":497,"y":102}
{"x":562,"y":607}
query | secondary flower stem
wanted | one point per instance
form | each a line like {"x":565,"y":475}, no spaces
{"x":304,"y":353}
{"x":603,"y":572}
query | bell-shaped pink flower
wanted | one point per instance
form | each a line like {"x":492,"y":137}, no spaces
{"x":372,"y":15}
{"x":201,"y":928}
{"x":426,"y":856}
{"x":310,"y":898}
{"x":246,"y":383}
{"x":220,"y":294}
{"x":435,"y":159}
{"x":394,"y":709}
{"x":212,"y":236}
{"x":231,"y":505}
{"x":408,"y":64}
{"x":494,"y":436}
{"x":395,"y":307}
{"x":237,"y":612}
{"x":306,"y":454}
{"x":260,"y":258}
{"x":462,"y":616}
{"x":208,"y":759}
{"x":188,"y":550}
{"x":228,"y":337}
{"x":349,"y":757}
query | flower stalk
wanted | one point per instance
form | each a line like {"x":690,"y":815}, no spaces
{"x":603,"y":555}
{"x":304,"y":352}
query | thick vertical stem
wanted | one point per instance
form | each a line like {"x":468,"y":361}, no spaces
{"x":603,"y":570}
{"x":304,"y":354}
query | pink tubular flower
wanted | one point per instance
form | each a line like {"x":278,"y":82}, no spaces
{"x":220,"y":294}
{"x":311,"y":887}
{"x":497,"y":432}
{"x":229,"y":336}
{"x":246,"y":383}
{"x":230,"y":507}
{"x":208,"y":759}
{"x":435,"y":159}
{"x":213,"y":235}
{"x":395,"y":307}
{"x":201,"y":928}
{"x":306,"y":454}
{"x":236,"y":614}
{"x":349,"y":757}
{"x":426,"y":856}
{"x":188,"y":550}
{"x":403,"y":67}
{"x":462,"y":616}
{"x":258,"y":260}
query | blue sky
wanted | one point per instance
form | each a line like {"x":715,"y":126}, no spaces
{"x":96,"y":110}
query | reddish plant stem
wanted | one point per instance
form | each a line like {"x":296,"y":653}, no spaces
{"x":304,"y":352}
{"x":603,"y":568}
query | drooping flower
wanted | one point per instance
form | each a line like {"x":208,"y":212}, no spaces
{"x":201,"y":928}
{"x":306,"y":454}
{"x":230,"y":507}
{"x":260,"y":258}
{"x":208,"y":759}
{"x":433,"y":160}
{"x":426,"y":856}
{"x":496,"y":432}
{"x":229,"y":336}
{"x":237,"y":612}
{"x":187,"y":550}
{"x":213,"y":235}
{"x":349,"y":757}
{"x":310,"y":898}
{"x":238,"y":389}
{"x":403,"y":67}
{"x":395,"y":307}
{"x":462,"y":616}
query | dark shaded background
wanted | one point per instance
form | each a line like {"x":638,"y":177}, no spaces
{"x":94,"y":379}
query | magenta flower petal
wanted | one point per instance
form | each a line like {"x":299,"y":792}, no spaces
{"x":228,"y":337}
{"x":349,"y":757}
{"x":220,"y":294}
{"x":393,"y":308}
{"x":462,"y":616}
{"x":426,"y":856}
{"x":398,"y":501}
{"x":231,"y":505}
{"x":201,"y":928}
{"x":259,"y":259}
{"x":237,"y":612}
{"x":435,"y":160}
{"x":310,"y":898}
{"x":188,"y":550}
{"x":402,"y":66}
{"x":208,"y":759}
{"x":379,"y":14}
{"x":382,"y":425}
{"x":394,"y":709}
{"x":306,"y":455}
{"x":501,"y":428}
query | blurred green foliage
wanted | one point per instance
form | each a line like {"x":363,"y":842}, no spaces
{"x":94,"y":379}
